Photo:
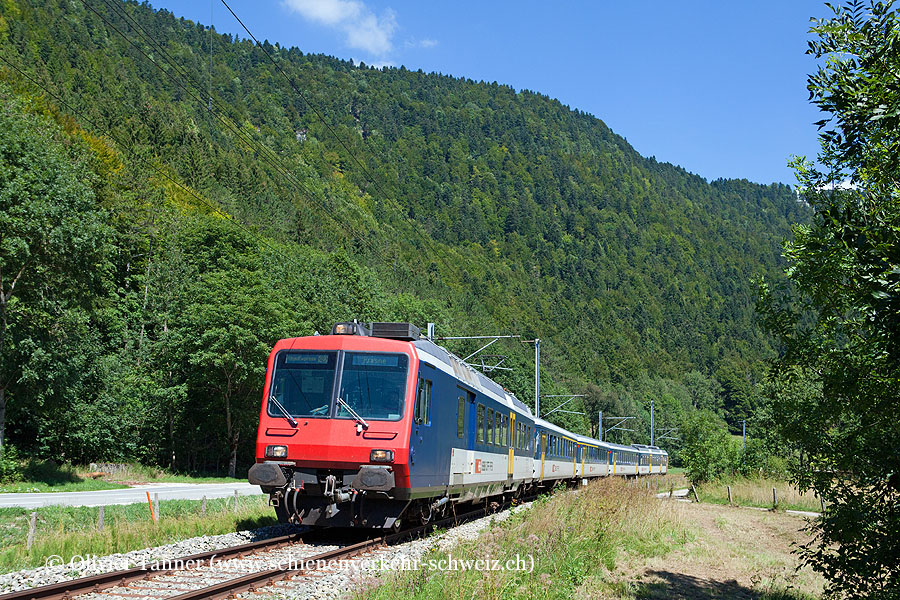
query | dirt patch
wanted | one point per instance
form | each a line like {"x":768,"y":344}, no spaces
{"x":738,"y":553}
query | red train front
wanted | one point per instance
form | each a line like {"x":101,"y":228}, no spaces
{"x":334,"y":428}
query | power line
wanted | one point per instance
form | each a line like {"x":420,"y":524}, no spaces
{"x":266,"y":154}
{"x":131,"y":152}
{"x":426,"y":238}
{"x":308,"y":103}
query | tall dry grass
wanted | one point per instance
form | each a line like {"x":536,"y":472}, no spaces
{"x":573,"y":538}
{"x":758,"y":492}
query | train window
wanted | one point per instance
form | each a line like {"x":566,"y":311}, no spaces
{"x":498,"y":430}
{"x":460,"y":416}
{"x":303,"y":383}
{"x":423,"y":403}
{"x":479,"y":425}
{"x":373,"y":385}
{"x":504,"y":436}
{"x":489,"y":428}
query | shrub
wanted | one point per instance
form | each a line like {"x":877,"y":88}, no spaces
{"x":10,"y":464}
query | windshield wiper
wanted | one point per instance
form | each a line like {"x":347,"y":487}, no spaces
{"x":352,"y":412}
{"x":283,"y":410}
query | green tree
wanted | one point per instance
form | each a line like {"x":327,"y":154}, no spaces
{"x":707,"y":450}
{"x":225,"y":330}
{"x":836,"y":384}
{"x":53,"y":247}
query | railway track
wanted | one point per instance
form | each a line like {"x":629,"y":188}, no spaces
{"x":227,"y":572}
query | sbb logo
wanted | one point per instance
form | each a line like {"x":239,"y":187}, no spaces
{"x":478,"y":465}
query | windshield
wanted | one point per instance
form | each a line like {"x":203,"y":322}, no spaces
{"x":303,"y":383}
{"x":373,"y":385}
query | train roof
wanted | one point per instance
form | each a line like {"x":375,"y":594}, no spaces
{"x":538,"y":422}
{"x":454,"y":365}
{"x":443,"y":359}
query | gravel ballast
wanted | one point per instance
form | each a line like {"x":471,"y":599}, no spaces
{"x":330,"y":582}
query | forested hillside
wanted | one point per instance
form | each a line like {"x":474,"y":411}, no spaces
{"x":164,"y":222}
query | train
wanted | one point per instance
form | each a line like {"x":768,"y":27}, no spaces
{"x":377,"y":426}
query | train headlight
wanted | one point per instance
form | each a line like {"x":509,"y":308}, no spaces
{"x":344,"y":329}
{"x":276,"y":451}
{"x":381,"y":456}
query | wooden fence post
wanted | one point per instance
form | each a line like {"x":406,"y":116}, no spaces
{"x":235,"y":501}
{"x":156,"y":506}
{"x":774,"y":498}
{"x":101,"y":518}
{"x":696,"y":495}
{"x":203,"y":506}
{"x":32,"y":526}
{"x":729,"y":495}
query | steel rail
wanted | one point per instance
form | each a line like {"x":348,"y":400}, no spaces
{"x":254,"y":581}
{"x":251,"y":582}
{"x":270,"y":576}
{"x":94,"y":583}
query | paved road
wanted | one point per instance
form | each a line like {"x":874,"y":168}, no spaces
{"x":166,"y":491}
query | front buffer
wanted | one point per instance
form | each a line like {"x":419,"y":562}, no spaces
{"x":364,"y":497}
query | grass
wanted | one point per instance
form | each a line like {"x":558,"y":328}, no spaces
{"x":135,"y":473}
{"x":47,"y":476}
{"x":758,"y":492}
{"x":67,"y":531}
{"x":614,"y":539}
{"x":574,"y":539}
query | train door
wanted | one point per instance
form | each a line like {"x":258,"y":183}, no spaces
{"x":573,"y":448}
{"x":510,"y":441}
{"x":469,"y":425}
{"x":429,"y":455}
{"x":543,"y":452}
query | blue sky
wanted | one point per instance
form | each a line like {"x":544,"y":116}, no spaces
{"x":718,"y":88}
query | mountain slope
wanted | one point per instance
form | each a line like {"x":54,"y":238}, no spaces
{"x":429,"y":197}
